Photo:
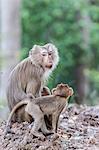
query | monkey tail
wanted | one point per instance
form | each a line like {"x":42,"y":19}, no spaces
{"x":18,"y":105}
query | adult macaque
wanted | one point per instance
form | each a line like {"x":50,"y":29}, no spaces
{"x":30,"y":75}
{"x":46,"y":105}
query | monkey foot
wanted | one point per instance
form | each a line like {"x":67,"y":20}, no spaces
{"x":48,"y":132}
{"x":54,"y":137}
{"x":38,"y":135}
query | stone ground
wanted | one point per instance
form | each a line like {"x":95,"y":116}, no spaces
{"x":78,"y":130}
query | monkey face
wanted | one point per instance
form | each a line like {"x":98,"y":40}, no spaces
{"x":62,"y":90}
{"x":46,"y":56}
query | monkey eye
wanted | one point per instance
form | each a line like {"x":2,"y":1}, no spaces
{"x":44,"y":54}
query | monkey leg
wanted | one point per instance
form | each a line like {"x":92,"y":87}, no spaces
{"x":38,"y":116}
{"x":55,"y":118}
{"x":48,"y":121}
{"x":22,"y":115}
{"x":37,"y":125}
{"x":45,"y":130}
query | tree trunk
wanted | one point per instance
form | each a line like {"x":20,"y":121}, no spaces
{"x":80,"y":83}
{"x":10,"y":40}
{"x":81,"y":80}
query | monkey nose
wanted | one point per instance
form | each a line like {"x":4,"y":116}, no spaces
{"x":50,"y":65}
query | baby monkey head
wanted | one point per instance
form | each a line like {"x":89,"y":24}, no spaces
{"x":62,"y":90}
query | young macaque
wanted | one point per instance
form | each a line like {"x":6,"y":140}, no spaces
{"x":46,"y":105}
{"x":29,"y":76}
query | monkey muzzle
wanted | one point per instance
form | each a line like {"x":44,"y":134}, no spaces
{"x":49,"y":65}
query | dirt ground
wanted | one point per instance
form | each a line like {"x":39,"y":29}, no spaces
{"x":78,"y":130}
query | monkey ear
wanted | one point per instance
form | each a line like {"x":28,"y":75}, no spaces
{"x":53,"y":90}
{"x":71,"y":91}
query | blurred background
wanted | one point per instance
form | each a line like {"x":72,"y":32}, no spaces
{"x":72,"y":25}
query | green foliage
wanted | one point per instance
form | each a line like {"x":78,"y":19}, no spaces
{"x":62,"y":23}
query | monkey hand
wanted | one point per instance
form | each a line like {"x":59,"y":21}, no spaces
{"x":45,"y":91}
{"x":30,"y":96}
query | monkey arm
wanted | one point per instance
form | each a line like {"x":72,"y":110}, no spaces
{"x":33,"y":88}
